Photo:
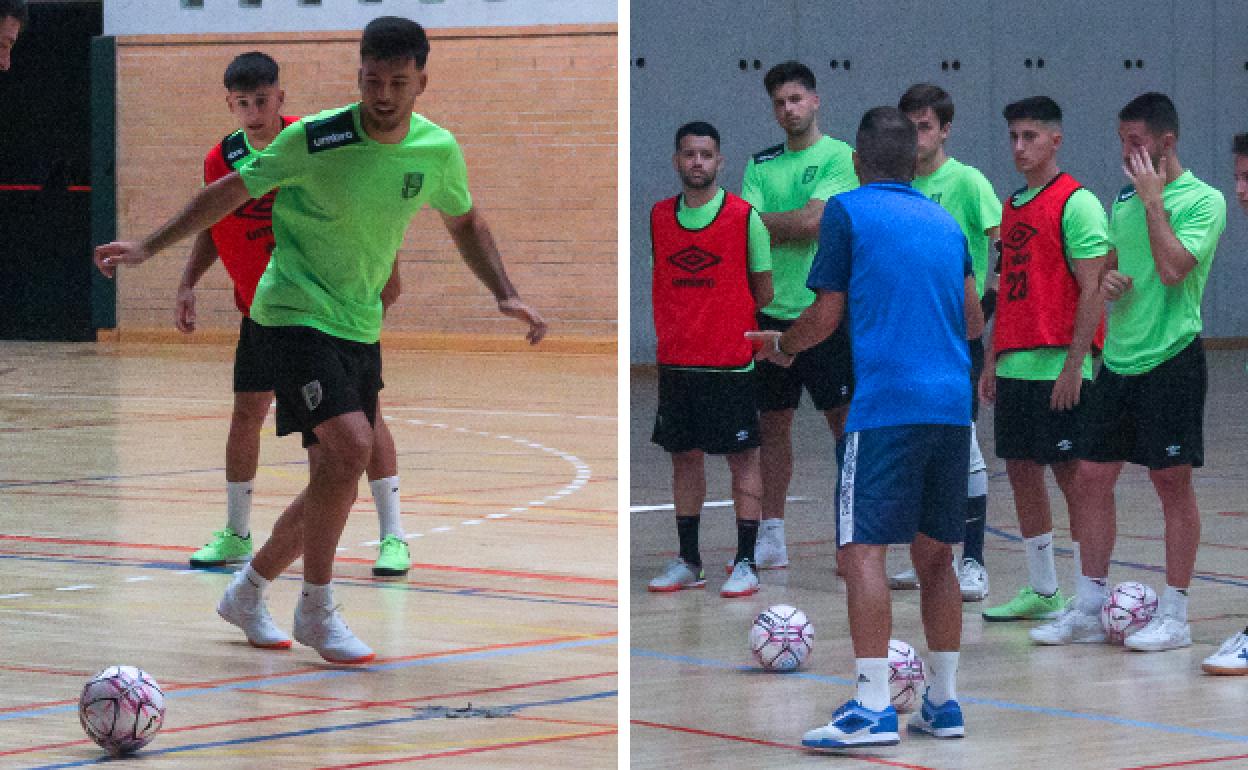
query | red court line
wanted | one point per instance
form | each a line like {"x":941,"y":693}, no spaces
{"x":350,"y":706}
{"x":464,"y":752}
{"x":315,"y":669}
{"x":38,"y":187}
{"x":415,"y":565}
{"x":115,"y":422}
{"x":773,"y":744}
{"x":1188,"y":762}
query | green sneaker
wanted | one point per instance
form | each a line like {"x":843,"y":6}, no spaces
{"x":225,"y":548}
{"x":1028,"y":605}
{"x":394,"y":559}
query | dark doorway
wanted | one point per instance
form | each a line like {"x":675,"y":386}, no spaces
{"x":45,"y":172}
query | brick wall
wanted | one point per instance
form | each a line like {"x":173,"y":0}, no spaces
{"x":534,"y":109}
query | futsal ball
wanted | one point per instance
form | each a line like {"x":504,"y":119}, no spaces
{"x":781,"y":638}
{"x":905,"y":675}
{"x":122,"y":709}
{"x":1128,"y":609}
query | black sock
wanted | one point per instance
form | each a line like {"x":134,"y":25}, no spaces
{"x":1246,"y":630}
{"x":747,"y":536}
{"x":687,"y":531}
{"x":976,"y":516}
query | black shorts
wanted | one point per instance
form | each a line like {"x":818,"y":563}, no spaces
{"x":1154,"y":419}
{"x":711,"y":410}
{"x":1026,"y":428}
{"x":977,"y":368}
{"x":253,"y":367}
{"x":318,"y":377}
{"x":825,"y":370}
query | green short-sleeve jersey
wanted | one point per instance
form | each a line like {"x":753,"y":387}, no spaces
{"x":340,"y":215}
{"x":1152,"y":322}
{"x":759,"y":244}
{"x":1085,"y":235}
{"x":968,"y":195}
{"x":778,"y":179}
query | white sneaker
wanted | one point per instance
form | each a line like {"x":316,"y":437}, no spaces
{"x":1163,"y":632}
{"x":906,"y":580}
{"x":1231,"y":659}
{"x":770,"y":550}
{"x":676,"y":576}
{"x":973,"y":580}
{"x":323,"y":629}
{"x":1071,"y":627}
{"x":742,"y":582}
{"x":242,"y":606}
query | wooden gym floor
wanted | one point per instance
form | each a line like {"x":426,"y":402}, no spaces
{"x":696,"y":695}
{"x":111,"y":475}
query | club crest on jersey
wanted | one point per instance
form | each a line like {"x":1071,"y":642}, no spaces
{"x":412,"y":182}
{"x":808,"y":175}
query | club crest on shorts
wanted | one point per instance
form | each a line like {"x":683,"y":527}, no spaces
{"x":312,"y":395}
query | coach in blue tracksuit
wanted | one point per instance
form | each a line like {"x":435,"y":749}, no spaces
{"x":896,"y":266}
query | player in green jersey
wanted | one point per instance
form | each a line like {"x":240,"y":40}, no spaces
{"x":1147,"y":404}
{"x":13,"y":19}
{"x":788,"y":184}
{"x":243,"y":241}
{"x":1232,"y":657}
{"x":966,"y":194}
{"x":351,"y":179}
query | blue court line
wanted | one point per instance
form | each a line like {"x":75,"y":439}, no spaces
{"x":1001,"y":704}
{"x":320,"y":676}
{"x":1129,"y":564}
{"x":319,"y":731}
{"x":481,"y":593}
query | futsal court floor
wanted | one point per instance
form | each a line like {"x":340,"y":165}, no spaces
{"x":111,"y":474}
{"x":696,"y":694}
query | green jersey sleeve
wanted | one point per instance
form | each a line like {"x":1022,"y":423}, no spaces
{"x":1085,"y":228}
{"x":283,"y":162}
{"x":1199,"y":226}
{"x":987,"y":205}
{"x":837,"y":175}
{"x":759,"y":245}
{"x":750,"y":189}
{"x":452,"y":197}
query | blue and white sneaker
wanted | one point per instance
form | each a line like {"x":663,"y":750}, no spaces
{"x":943,"y":721}
{"x":852,"y":726}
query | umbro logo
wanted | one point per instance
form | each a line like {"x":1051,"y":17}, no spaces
{"x":1018,"y":236}
{"x":743,"y":435}
{"x":1173,"y":450}
{"x":1065,"y":445}
{"x":257,"y":208}
{"x":694,"y":260}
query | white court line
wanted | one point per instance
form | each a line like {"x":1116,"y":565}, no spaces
{"x":138,"y":578}
{"x":712,"y":504}
{"x":14,"y":596}
{"x":39,"y":614}
{"x":83,"y":587}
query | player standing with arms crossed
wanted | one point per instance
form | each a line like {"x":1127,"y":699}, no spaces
{"x":244,"y":240}
{"x":788,"y":185}
{"x":712,"y":270}
{"x":351,"y":179}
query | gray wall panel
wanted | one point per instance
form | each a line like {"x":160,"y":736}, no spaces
{"x":1196,"y":50}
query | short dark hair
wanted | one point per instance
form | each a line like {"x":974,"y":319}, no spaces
{"x":1155,"y":110}
{"x":788,"y":72}
{"x":923,"y":95}
{"x":887,"y":144}
{"x":1039,"y":108}
{"x":697,"y":128}
{"x":15,"y":9}
{"x":1239,"y":144}
{"x":387,"y":38}
{"x":249,"y":71}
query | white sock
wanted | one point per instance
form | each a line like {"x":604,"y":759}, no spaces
{"x":1090,"y":594}
{"x":942,"y":676}
{"x":1173,"y":603}
{"x":318,"y":596}
{"x":386,"y":496}
{"x":254,"y":580}
{"x":238,"y":507}
{"x":1040,"y":567}
{"x":873,"y":683}
{"x":1076,"y":558}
